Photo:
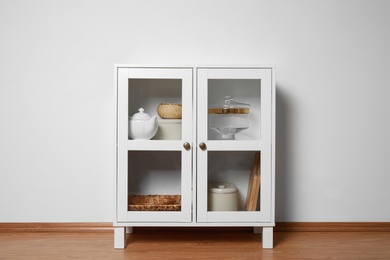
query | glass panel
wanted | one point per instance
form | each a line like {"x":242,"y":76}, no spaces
{"x":244,"y":91}
{"x":229,"y":178}
{"x":150,"y":94}
{"x":154,"y":180}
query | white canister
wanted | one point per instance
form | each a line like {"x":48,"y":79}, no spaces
{"x":168,"y":129}
{"x":222,"y":197}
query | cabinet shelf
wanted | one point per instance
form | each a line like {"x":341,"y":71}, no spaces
{"x":236,"y":145}
{"x":154,"y":145}
{"x":169,"y":145}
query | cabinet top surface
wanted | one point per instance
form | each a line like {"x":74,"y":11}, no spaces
{"x":261,"y":66}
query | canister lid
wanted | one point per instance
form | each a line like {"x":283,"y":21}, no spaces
{"x":229,"y":106}
{"x":222,"y":187}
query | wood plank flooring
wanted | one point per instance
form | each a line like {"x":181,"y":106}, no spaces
{"x":202,"y":244}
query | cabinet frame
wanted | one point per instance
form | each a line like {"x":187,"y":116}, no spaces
{"x":191,"y":217}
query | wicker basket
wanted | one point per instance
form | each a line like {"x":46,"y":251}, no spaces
{"x":169,"y":111}
{"x":154,"y":202}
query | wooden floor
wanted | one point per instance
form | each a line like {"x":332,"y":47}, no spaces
{"x":177,"y":244}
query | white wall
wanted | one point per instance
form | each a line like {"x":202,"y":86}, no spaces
{"x":57,"y":97}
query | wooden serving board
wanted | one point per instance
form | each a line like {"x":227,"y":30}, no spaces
{"x":252,"y":195}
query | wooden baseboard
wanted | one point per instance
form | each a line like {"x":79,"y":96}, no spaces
{"x":57,"y":227}
{"x":279,"y":227}
{"x":332,"y":227}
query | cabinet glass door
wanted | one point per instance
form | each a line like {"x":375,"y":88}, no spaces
{"x":234,"y":145}
{"x":154,"y":175}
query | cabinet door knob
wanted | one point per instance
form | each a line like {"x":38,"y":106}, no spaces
{"x":202,"y":146}
{"x":187,"y":146}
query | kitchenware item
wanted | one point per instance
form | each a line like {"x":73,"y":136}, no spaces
{"x":168,"y":129}
{"x":154,"y":202}
{"x":169,"y":111}
{"x":142,"y":126}
{"x":222,"y":196}
{"x":252,"y":196}
{"x":229,"y":117}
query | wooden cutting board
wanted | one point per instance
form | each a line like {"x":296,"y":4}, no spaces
{"x":252,"y":195}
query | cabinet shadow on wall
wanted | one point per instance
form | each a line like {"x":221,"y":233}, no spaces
{"x":283,"y":178}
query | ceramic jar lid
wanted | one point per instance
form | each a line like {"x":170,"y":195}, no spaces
{"x":222,"y":188}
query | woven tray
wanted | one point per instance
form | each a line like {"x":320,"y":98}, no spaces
{"x":154,"y":202}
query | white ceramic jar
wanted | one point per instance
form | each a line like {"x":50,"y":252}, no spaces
{"x":222,"y":197}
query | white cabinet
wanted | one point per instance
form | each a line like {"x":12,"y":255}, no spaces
{"x":163,"y":182}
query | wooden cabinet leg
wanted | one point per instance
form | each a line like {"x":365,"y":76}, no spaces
{"x":268,"y":237}
{"x":119,"y":237}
